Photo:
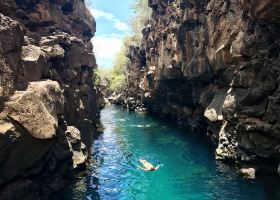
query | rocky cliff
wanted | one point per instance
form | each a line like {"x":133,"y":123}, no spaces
{"x":48,"y":102}
{"x":214,"y":66}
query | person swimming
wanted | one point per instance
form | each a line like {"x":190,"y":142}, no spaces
{"x":148,"y":166}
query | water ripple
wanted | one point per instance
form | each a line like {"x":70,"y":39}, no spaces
{"x":187,"y":171}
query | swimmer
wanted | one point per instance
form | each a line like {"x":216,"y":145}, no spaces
{"x":148,"y":166}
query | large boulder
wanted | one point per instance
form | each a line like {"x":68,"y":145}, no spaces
{"x":34,"y":63}
{"x":18,"y":145}
{"x":77,"y":56}
{"x":77,"y":147}
{"x":36,"y":109}
{"x":214,"y":110}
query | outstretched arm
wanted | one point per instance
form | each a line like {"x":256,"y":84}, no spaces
{"x":157,"y":167}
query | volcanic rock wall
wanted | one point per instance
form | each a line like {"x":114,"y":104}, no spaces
{"x":214,"y":66}
{"x":48,"y":102}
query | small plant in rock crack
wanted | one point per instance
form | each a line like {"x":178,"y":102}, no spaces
{"x":96,"y":77}
{"x":174,"y":5}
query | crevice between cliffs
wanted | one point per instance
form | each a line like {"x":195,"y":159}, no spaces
{"x":209,"y":66}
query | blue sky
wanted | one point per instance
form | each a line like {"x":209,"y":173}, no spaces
{"x":112,"y":18}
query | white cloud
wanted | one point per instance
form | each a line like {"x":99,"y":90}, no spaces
{"x":99,"y":14}
{"x":117,"y":35}
{"x":106,"y":47}
{"x":121,"y":26}
{"x":118,"y":24}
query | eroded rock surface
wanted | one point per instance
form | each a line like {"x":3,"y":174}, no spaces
{"x":37,"y":108}
{"x":48,"y":102}
{"x":213,"y":65}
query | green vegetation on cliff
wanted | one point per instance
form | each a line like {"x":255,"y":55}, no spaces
{"x":117,"y":75}
{"x":142,"y":14}
{"x":140,"y":18}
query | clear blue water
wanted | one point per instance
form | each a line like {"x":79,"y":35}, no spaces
{"x":188,"y":169}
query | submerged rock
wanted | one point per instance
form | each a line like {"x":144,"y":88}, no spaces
{"x":249,"y":173}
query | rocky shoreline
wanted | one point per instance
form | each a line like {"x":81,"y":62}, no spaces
{"x":213,"y":66}
{"x":48,"y":101}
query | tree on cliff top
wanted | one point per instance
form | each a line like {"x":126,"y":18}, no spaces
{"x":140,"y":18}
{"x":142,"y":14}
{"x":118,"y":73}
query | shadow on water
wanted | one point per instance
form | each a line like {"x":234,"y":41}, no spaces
{"x":83,"y":187}
{"x":188,"y":168}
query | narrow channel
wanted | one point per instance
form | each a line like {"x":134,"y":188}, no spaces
{"x":188,"y":169}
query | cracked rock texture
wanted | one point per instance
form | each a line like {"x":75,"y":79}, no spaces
{"x":214,"y":66}
{"x":49,"y":105}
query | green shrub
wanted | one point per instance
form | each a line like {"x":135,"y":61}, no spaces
{"x":97,"y":77}
{"x":142,"y":14}
{"x":117,"y":83}
{"x":117,"y":75}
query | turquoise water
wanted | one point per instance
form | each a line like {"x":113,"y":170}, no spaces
{"x":188,"y":170}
